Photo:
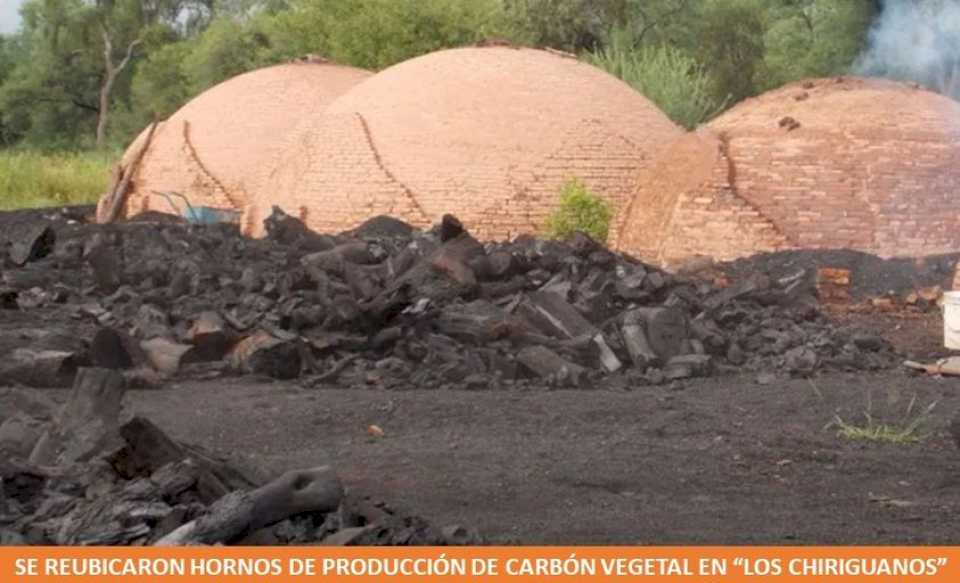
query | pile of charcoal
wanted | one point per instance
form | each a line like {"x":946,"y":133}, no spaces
{"x":86,"y":473}
{"x":389,"y":306}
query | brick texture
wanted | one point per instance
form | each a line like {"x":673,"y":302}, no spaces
{"x":488,"y":134}
{"x":213,"y":149}
{"x":864,"y":164}
{"x":687,"y":205}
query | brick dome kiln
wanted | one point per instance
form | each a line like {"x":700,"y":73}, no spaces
{"x":213,"y":148}
{"x":864,"y":164}
{"x":489,"y":134}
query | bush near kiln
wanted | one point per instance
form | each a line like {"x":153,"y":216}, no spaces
{"x":580,"y":210}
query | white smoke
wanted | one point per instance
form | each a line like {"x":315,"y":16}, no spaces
{"x":916,"y":40}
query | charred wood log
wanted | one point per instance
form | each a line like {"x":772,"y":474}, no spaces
{"x":547,"y":364}
{"x":148,"y":449}
{"x":165,"y":356}
{"x":553,"y":315}
{"x":211,"y":338}
{"x":115,"y":350}
{"x":35,"y":243}
{"x":241,"y":513}
{"x":87,"y":423}
{"x":38,"y":367}
{"x":262,"y":353}
{"x":106,"y":265}
{"x":654,"y":335}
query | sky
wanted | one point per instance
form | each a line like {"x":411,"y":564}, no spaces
{"x":9,"y":19}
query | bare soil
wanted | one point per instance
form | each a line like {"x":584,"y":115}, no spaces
{"x":720,"y":461}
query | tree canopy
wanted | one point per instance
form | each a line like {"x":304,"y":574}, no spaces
{"x":81,"y":73}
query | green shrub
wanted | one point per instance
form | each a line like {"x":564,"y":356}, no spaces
{"x":580,"y":210}
{"x":32,"y":179}
{"x":675,"y":82}
{"x":374,"y":34}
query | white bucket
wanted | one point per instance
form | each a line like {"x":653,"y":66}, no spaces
{"x":951,"y":319}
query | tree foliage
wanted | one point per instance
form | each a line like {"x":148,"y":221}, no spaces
{"x":226,"y":49}
{"x":374,"y":34}
{"x":674,"y":81}
{"x":161,"y":84}
{"x":74,"y":52}
{"x":730,"y":43}
{"x":691,"y":57}
{"x":813,"y":38}
{"x":570,"y":25}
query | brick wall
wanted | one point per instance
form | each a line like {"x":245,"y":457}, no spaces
{"x":687,"y":204}
{"x":334,"y":147}
{"x":488,"y":134}
{"x":874,"y":165}
{"x":871,"y":165}
{"x":213,"y":150}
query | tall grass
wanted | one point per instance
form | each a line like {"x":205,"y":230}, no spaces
{"x":33,"y":179}
{"x":908,"y":429}
{"x":679,"y":85}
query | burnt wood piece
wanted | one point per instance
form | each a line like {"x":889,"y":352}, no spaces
{"x":211,"y":338}
{"x":654,"y":335}
{"x":34,"y":243}
{"x":240,"y":513}
{"x":545,"y":363}
{"x":555,"y":316}
{"x":264,"y":354}
{"x":40,"y":367}
{"x":148,"y":449}
{"x":164,"y":355}
{"x":115,"y":349}
{"x":88,"y":422}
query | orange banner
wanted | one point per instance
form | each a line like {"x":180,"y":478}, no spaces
{"x":484,"y":564}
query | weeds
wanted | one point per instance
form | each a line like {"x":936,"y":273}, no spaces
{"x":909,"y":429}
{"x":580,"y":210}
{"x":33,"y":179}
{"x":677,"y":83}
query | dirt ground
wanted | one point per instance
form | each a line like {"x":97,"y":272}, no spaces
{"x":722,"y":461}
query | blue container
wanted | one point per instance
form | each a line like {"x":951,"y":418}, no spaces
{"x":200,"y":215}
{"x":204,"y":215}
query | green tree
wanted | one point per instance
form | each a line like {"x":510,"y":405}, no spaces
{"x":77,"y":63}
{"x":570,"y":25}
{"x":721,"y":40}
{"x":6,"y":57}
{"x":226,"y":49}
{"x":655,"y":22}
{"x":8,"y":61}
{"x":375,"y":34}
{"x":81,"y":72}
{"x":53,"y":84}
{"x":160,"y":85}
{"x":583,"y":25}
{"x":728,"y":38}
{"x":814,"y":38}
